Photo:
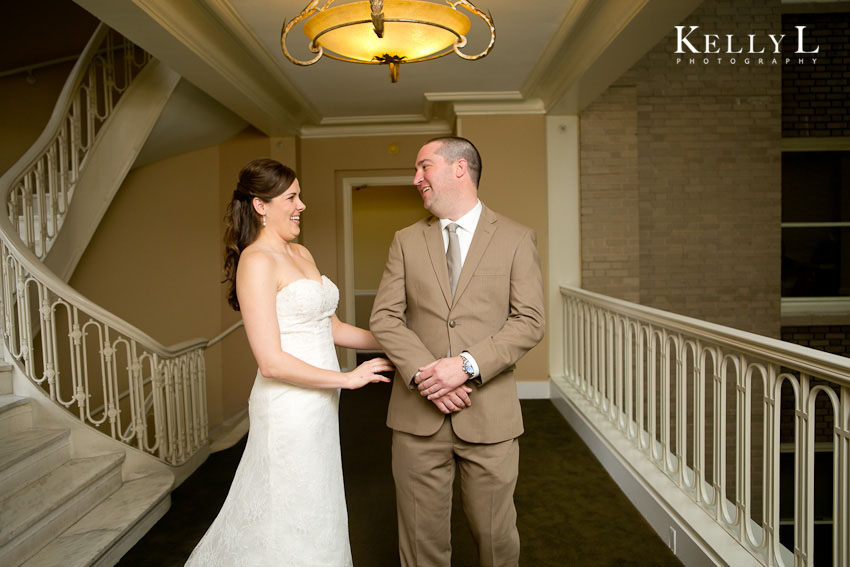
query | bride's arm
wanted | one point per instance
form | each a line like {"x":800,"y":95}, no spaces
{"x":349,"y":336}
{"x":256,"y":287}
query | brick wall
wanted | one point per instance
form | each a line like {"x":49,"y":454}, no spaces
{"x":816,"y":95}
{"x":680,"y":177}
{"x":610,"y":219}
{"x":834,"y":339}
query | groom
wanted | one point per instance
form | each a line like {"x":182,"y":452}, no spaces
{"x":460,"y":301}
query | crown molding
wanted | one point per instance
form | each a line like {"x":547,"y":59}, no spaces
{"x":342,"y":130}
{"x":441,"y":111}
{"x":454,"y":104}
{"x":378,"y":119}
{"x":473,"y":96}
{"x":532,"y":106}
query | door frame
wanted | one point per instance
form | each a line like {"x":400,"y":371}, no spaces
{"x":348,"y":184}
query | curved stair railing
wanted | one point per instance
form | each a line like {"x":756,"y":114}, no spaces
{"x":39,"y":197}
{"x":115,"y":378}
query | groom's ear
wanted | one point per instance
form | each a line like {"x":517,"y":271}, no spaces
{"x":461,"y":168}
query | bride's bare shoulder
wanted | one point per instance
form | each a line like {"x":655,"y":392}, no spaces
{"x":259,"y":262}
{"x":256,"y":254}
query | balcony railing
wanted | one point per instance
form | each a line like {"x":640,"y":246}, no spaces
{"x":113,"y":376}
{"x":715,"y":410}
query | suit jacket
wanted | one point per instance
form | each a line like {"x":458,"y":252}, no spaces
{"x":496,"y":315}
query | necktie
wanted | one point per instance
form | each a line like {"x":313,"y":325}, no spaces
{"x":453,"y":257}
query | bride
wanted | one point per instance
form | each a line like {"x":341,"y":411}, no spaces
{"x":286,"y":505}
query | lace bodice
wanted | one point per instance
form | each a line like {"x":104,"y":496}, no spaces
{"x":304,"y":317}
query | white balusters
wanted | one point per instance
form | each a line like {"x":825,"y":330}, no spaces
{"x":686,"y":393}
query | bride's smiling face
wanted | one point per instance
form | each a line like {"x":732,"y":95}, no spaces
{"x":283,"y":213}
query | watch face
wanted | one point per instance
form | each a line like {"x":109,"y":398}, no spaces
{"x":467,"y":367}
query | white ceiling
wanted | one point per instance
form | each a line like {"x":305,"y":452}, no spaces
{"x":550,"y":56}
{"x":339,"y":89}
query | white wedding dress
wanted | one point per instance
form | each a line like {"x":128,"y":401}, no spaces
{"x":286,"y":506}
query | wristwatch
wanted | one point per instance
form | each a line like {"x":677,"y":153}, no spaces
{"x":467,"y":367}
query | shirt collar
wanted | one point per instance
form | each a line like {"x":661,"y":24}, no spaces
{"x":469,"y":221}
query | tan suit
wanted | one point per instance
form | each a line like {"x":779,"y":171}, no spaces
{"x":497,"y":316}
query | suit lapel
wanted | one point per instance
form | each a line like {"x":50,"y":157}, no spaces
{"x":480,"y":240}
{"x":434,"y":242}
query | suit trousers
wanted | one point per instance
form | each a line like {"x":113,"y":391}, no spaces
{"x":424,"y":470}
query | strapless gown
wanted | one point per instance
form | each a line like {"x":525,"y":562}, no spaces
{"x":286,"y":505}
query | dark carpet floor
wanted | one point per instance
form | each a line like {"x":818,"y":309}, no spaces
{"x":570,"y":512}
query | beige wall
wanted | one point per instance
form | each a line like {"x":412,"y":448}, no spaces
{"x":25,"y":109}
{"x":513,"y":183}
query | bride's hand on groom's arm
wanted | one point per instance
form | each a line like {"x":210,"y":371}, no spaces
{"x":369,"y":372}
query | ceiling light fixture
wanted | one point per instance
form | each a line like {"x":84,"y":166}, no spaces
{"x":390,"y":32}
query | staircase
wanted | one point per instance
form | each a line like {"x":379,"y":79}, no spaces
{"x":98,"y":421}
{"x":79,"y":506}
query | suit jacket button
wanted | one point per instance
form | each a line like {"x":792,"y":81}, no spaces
{"x":452,"y":323}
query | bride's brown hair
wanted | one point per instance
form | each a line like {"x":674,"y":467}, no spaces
{"x":264,"y":179}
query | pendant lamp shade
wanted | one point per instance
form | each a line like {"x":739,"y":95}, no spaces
{"x":387,"y":32}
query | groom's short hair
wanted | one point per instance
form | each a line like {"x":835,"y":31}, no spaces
{"x":453,"y":148}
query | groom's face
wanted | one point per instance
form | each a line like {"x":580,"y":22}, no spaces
{"x":433,"y":180}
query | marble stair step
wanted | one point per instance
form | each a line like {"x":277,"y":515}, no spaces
{"x":27,"y":455}
{"x":5,"y":378}
{"x":45,"y":508}
{"x":106,"y":533}
{"x":15,"y":414}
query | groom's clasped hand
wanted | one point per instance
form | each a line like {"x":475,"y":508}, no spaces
{"x":443,"y":382}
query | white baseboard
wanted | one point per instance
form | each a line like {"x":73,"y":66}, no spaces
{"x":537,"y":390}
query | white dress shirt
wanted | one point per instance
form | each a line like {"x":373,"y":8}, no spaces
{"x":466,"y":228}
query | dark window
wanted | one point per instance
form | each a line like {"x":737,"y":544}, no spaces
{"x":816,"y":224}
{"x":823,"y":502}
